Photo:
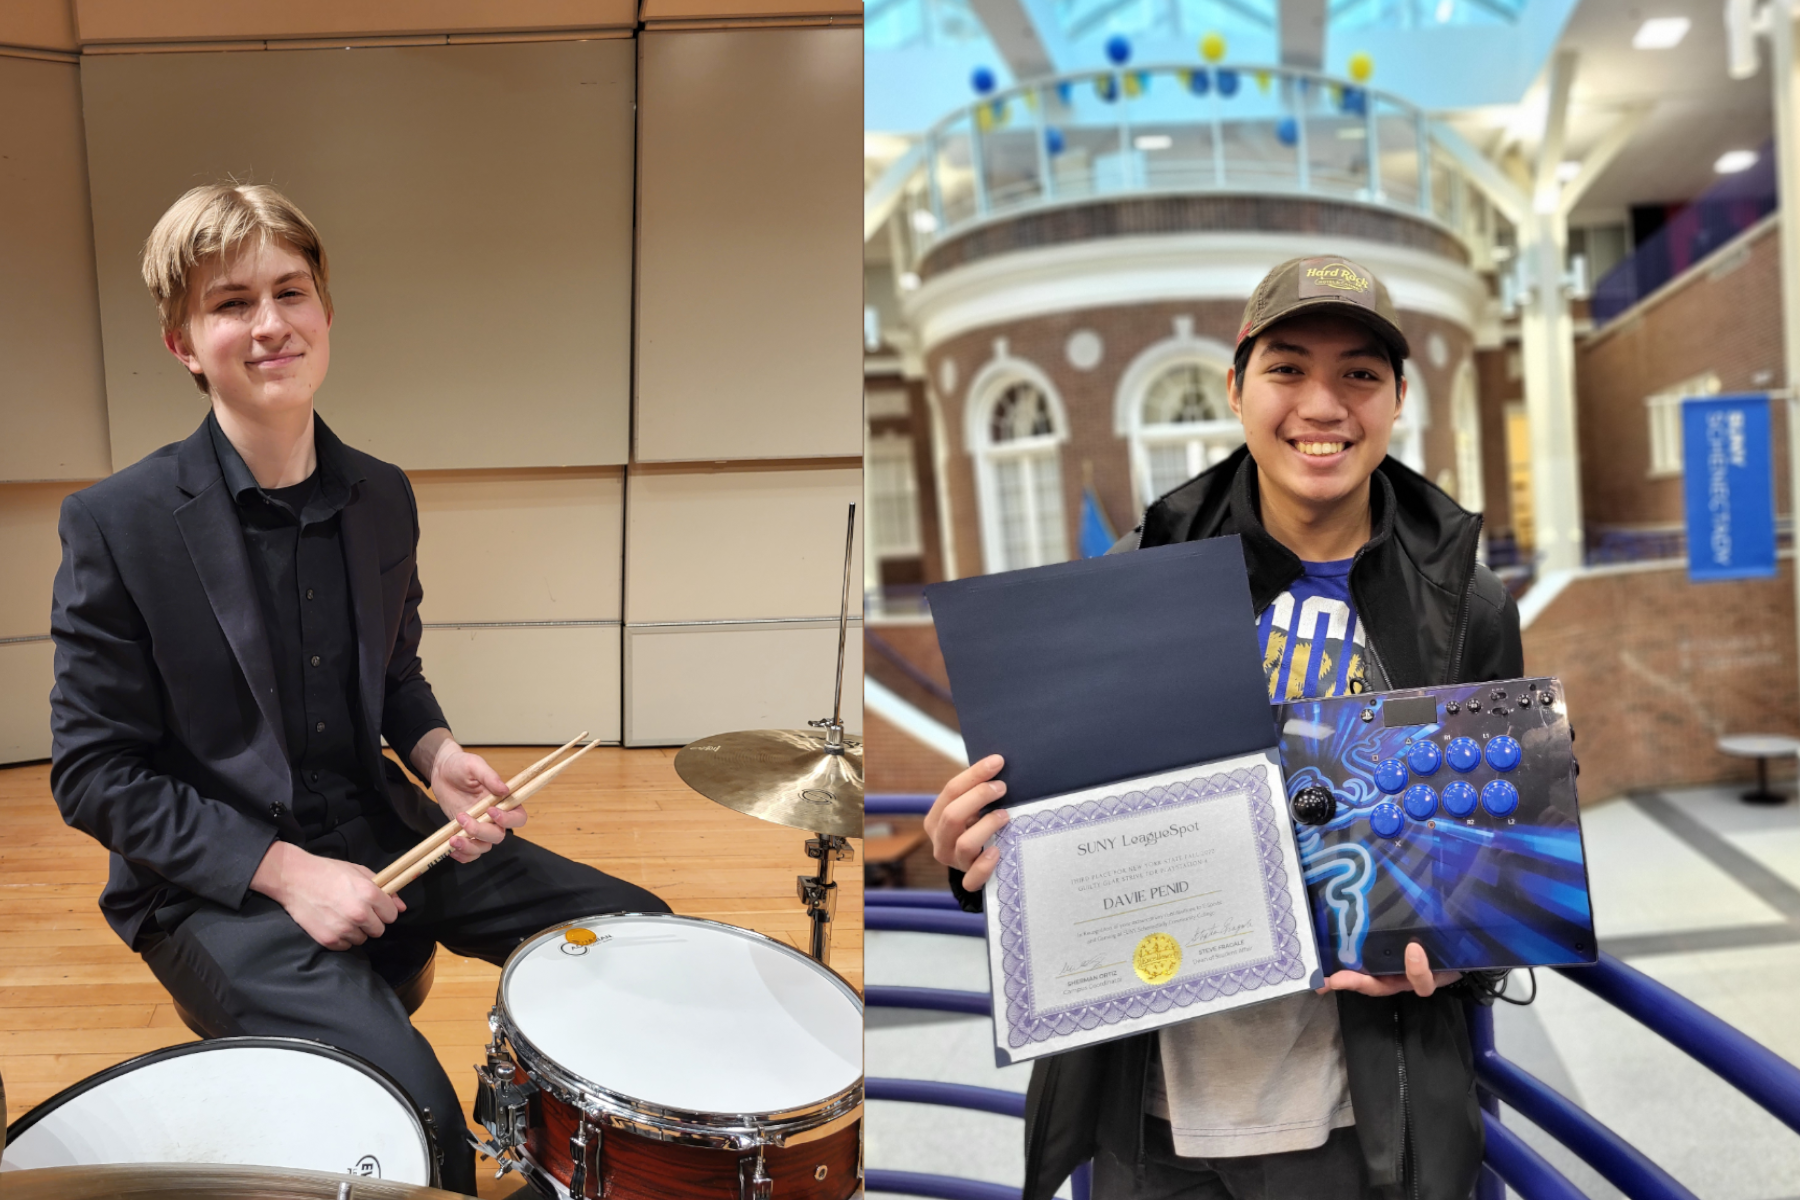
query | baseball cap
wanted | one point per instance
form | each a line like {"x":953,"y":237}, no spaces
{"x":1328,"y":284}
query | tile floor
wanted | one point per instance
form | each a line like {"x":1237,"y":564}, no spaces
{"x":1692,"y":887}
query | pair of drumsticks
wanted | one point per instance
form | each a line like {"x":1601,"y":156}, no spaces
{"x":520,"y":787}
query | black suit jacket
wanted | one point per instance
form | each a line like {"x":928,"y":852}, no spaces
{"x":167,"y":735}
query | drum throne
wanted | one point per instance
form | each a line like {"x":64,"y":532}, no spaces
{"x":409,"y":965}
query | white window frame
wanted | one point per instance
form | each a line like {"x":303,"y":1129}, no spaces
{"x":896,"y":450}
{"x":1181,"y":349}
{"x":1663,"y":412}
{"x":1465,"y":421}
{"x":983,"y":393}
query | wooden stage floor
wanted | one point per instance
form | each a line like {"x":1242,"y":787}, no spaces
{"x":74,"y":1000}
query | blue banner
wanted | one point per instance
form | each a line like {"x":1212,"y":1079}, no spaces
{"x":1730,"y":486}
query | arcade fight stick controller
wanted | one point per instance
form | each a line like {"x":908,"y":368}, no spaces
{"x":1444,"y":816}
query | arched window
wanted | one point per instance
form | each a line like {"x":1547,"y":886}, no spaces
{"x":1183,"y":425}
{"x":1019,"y":466}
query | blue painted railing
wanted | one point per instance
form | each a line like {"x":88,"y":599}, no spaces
{"x":1760,"y":1074}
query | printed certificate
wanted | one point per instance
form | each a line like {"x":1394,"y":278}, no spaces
{"x":1141,"y":904}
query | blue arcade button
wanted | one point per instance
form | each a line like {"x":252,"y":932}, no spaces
{"x":1424,"y":758}
{"x":1386,"y":819}
{"x":1420,"y":802}
{"x":1463,"y":752}
{"x":1503,"y":753}
{"x":1459,"y":797}
{"x":1390,"y":776}
{"x":1500,"y":798}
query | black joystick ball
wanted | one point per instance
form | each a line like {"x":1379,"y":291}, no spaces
{"x":1314,"y":805}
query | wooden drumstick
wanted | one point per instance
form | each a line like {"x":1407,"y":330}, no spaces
{"x":441,"y":850}
{"x":449,"y":829}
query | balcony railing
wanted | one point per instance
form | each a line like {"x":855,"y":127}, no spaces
{"x":1186,"y":129}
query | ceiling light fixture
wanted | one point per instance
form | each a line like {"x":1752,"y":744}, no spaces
{"x":1733,"y":161}
{"x":1567,"y":169}
{"x":1445,"y":10}
{"x":924,"y":220}
{"x":1153,"y":141}
{"x":1660,"y":33}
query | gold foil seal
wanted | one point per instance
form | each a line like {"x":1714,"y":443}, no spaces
{"x":587,"y":937}
{"x":1156,"y":959}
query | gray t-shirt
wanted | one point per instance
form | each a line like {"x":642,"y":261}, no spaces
{"x":1270,"y":1078}
{"x":1264,"y":1079}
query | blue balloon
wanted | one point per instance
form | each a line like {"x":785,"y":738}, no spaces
{"x":1287,"y":131}
{"x":1118,"y":49}
{"x":1228,"y":83}
{"x":982,"y":80}
{"x":1355,"y":102}
{"x":1053,"y":140}
{"x":1199,"y":82}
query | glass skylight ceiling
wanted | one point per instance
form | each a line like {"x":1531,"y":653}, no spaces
{"x":1345,"y":15}
{"x":1180,"y":20}
{"x":921,"y":24}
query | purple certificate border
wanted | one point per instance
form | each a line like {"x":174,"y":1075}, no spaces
{"x":1025,"y":1023}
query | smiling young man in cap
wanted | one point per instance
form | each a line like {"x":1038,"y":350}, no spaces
{"x":1364,"y":578}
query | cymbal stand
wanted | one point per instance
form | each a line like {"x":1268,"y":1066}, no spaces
{"x":818,"y":891}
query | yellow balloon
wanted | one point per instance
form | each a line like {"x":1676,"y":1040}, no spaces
{"x":1361,"y":66}
{"x":1212,"y":47}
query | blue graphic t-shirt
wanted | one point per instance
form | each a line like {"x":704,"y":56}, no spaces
{"x":1312,"y":641}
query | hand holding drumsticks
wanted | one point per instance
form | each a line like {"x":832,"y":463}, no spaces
{"x":440,"y":845}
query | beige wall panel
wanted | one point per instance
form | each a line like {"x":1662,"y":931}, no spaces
{"x":30,"y":552}
{"x":749,"y":253}
{"x":521,"y":545}
{"x":689,"y":10}
{"x":740,"y":543}
{"x":475,"y":203}
{"x":184,"y":20}
{"x":688,"y":681}
{"x":52,"y":388}
{"x":42,"y":24}
{"x":27,"y":670}
{"x":525,"y":687}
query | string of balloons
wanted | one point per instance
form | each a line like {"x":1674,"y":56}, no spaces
{"x":996,"y":112}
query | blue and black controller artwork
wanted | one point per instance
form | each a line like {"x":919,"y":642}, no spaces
{"x":1444,"y":816}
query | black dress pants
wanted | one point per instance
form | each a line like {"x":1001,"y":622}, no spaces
{"x":255,"y":972}
{"x":1333,"y":1171}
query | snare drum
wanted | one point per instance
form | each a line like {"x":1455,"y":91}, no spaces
{"x":650,"y":1056}
{"x":247,"y":1101}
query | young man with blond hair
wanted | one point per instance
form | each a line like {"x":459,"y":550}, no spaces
{"x":237,"y":629}
{"x":1364,"y":578}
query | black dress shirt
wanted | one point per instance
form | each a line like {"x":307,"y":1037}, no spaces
{"x":292,"y":535}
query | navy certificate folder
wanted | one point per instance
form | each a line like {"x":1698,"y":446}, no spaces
{"x":1089,"y":672}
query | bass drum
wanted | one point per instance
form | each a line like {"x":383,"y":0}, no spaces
{"x":247,"y":1101}
{"x":655,"y":1057}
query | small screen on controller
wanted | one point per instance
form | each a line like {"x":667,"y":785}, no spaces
{"x":1413,"y":710}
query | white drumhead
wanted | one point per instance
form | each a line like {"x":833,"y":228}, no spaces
{"x":688,"y":1014}
{"x":246,"y":1102}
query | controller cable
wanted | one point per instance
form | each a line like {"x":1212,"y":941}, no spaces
{"x":1505,"y":985}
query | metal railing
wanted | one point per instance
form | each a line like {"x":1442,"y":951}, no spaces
{"x":1182,"y":129}
{"x":1764,"y":1077}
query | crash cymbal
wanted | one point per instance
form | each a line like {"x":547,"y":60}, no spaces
{"x":782,"y":775}
{"x":202,"y":1181}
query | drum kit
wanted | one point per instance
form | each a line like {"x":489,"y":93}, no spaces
{"x":634,"y":1056}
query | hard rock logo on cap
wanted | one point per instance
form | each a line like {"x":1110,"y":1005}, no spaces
{"x":1328,"y":276}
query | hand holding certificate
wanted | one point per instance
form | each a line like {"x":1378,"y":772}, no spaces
{"x":1128,"y":907}
{"x":1146,"y":871}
